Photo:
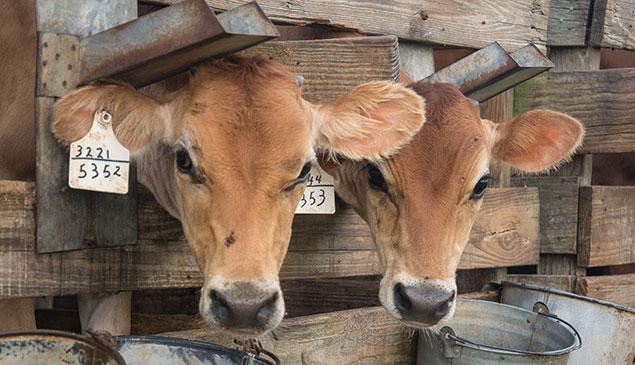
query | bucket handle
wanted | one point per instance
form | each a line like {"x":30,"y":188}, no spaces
{"x":449,"y":338}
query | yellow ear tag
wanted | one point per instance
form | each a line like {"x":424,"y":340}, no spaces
{"x":98,"y":162}
{"x":319,"y":195}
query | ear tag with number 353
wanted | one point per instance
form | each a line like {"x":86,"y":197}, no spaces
{"x":319,"y":195}
{"x":98,"y":162}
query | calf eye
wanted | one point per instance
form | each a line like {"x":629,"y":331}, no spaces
{"x":183,"y":161}
{"x":304,"y":174}
{"x":376,"y":179}
{"x":479,"y":189}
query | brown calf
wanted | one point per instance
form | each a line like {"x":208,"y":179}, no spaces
{"x":228,"y":154}
{"x":422,"y":201}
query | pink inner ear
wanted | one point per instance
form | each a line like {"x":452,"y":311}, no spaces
{"x":549,"y":149}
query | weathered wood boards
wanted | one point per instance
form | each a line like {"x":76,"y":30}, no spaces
{"x":437,"y":21}
{"x":606,"y":233}
{"x":562,"y":282}
{"x":604,"y":101}
{"x":613,"y":24}
{"x":558,"y":211}
{"x":362,"y":336}
{"x":618,"y":289}
{"x":505,"y":234}
{"x":332,"y":67}
{"x":567,"y":25}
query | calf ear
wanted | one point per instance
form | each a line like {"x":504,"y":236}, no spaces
{"x":537,"y":140}
{"x":137,"y":119}
{"x":371,"y":121}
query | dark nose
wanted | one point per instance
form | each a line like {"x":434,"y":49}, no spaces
{"x":244,"y":308}
{"x":424,"y":303}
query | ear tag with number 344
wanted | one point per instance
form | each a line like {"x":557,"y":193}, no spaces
{"x":98,"y":162}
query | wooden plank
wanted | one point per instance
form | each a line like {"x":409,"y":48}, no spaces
{"x":558,"y":211}
{"x":332,"y":67}
{"x":613,"y":24}
{"x":618,"y":289}
{"x":607,"y":226}
{"x":505,"y":233}
{"x":361,"y":336}
{"x":512,"y":23}
{"x":567,"y":24}
{"x":562,"y":282}
{"x":604,"y":101}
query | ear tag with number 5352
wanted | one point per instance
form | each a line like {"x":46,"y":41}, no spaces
{"x":98,"y":161}
{"x":319,"y":195}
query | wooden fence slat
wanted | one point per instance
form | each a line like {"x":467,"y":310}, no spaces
{"x":558,"y":211}
{"x":604,"y":101}
{"x":607,"y":226}
{"x":613,"y":24}
{"x":440,"y":22}
{"x":567,"y":24}
{"x":562,"y":282}
{"x":367,"y":335}
{"x":506,"y":233}
{"x":618,"y":289}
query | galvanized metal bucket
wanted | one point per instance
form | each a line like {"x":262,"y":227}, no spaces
{"x":482,"y":332}
{"x":156,"y":350}
{"x":607,"y":329}
{"x":54,"y":347}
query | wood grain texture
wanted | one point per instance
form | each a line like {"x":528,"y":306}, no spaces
{"x":606,"y":233}
{"x":332,"y":67}
{"x":613,"y":24}
{"x":618,"y":289}
{"x":359,"y":336}
{"x":562,"y":282}
{"x":472,"y":24}
{"x":558,"y":211}
{"x":567,"y":22}
{"x":604,"y":101}
{"x":505,"y":233}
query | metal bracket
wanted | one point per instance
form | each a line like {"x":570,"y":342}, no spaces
{"x":490,"y":71}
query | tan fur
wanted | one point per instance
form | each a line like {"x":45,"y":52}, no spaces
{"x":422,"y":225}
{"x":248,"y":133}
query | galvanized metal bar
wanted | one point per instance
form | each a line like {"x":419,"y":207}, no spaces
{"x":168,"y":41}
{"x":490,"y":71}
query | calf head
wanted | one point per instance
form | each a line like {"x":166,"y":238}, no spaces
{"x":229,"y":153}
{"x":421,"y":202}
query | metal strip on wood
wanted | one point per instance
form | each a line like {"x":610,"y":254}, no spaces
{"x":168,"y":41}
{"x":490,"y":71}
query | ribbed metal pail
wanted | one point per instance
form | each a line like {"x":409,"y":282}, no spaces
{"x":482,"y":332}
{"x":54,"y":347}
{"x":607,"y":329}
{"x":156,"y":350}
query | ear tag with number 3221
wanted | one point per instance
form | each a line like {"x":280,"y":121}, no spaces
{"x":98,"y":162}
{"x":319,"y":195}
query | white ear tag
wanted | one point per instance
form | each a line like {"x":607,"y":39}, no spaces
{"x":98,"y":161}
{"x":319,"y":195}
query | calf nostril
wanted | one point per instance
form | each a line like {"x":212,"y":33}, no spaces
{"x":265,"y":312}
{"x":444,"y":308}
{"x":220,"y":309}
{"x":402,"y":301}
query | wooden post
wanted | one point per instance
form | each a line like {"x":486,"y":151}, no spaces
{"x":71,"y":219}
{"x":571,"y":59}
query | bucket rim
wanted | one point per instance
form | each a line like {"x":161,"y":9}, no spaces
{"x":112,"y":351}
{"x":448,"y":337}
{"x":164,"y":340}
{"x":567,"y":294}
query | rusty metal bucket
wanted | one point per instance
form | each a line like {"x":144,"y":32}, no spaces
{"x":482,"y":332}
{"x":607,"y":329}
{"x":157,"y":350}
{"x":54,"y":347}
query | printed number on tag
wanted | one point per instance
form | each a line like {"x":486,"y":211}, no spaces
{"x":98,"y":162}
{"x":319,"y":195}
